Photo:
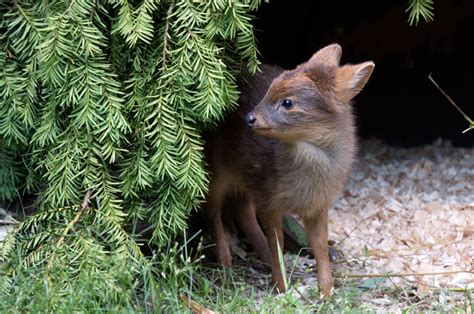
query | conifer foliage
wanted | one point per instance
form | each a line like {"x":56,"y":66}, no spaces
{"x":107,"y":98}
{"x":418,"y":9}
{"x":110,"y":96}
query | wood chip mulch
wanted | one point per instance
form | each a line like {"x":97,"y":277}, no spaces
{"x":410,"y":211}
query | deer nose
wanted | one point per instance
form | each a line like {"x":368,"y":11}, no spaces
{"x":250,"y":118}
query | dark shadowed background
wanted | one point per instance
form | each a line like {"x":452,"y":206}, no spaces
{"x":399,"y":104}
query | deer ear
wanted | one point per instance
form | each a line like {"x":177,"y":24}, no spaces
{"x":350,"y":79}
{"x":330,"y":55}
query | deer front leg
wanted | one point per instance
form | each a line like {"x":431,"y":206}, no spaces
{"x":317,"y":232}
{"x":272,"y":225}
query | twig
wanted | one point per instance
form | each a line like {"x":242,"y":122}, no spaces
{"x":84,"y":206}
{"x":374,"y":257}
{"x":68,"y":8}
{"x":380,"y":253}
{"x":359,"y":223}
{"x":8,"y":222}
{"x":379,"y":203}
{"x":195,"y":307}
{"x":92,"y":11}
{"x":468,"y":119}
{"x":402,"y":274}
{"x":165,"y":36}
{"x":435,"y":288}
{"x":305,"y":298}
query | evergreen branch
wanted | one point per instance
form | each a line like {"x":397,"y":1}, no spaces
{"x":119,"y":113}
{"x":135,"y":24}
{"x":420,"y":8}
{"x":68,"y":9}
{"x":72,"y":223}
{"x":103,"y":257}
{"x":10,"y":171}
{"x":24,"y":14}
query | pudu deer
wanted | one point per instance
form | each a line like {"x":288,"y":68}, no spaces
{"x":287,"y":149}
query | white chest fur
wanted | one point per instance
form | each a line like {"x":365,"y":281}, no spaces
{"x":311,"y":181}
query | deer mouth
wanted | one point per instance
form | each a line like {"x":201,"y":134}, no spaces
{"x":265,"y":131}
{"x":263,"y":128}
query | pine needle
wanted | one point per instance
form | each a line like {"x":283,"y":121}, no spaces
{"x":466,"y":117}
{"x":388,"y":275}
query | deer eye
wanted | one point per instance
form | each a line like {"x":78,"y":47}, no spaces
{"x":287,"y":104}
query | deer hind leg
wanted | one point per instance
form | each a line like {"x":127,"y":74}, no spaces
{"x":317,"y":232}
{"x":272,"y":225}
{"x":213,"y":210}
{"x":247,"y":220}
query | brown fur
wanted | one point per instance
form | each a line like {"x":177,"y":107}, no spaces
{"x":293,"y":160}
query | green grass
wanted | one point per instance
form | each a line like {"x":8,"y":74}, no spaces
{"x":231,"y":291}
{"x":234,"y":295}
{"x":182,"y":273}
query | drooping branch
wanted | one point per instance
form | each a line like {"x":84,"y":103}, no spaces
{"x":72,"y":223}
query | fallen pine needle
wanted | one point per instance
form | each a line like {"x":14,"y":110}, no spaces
{"x":402,"y":274}
{"x":468,"y":119}
{"x":196,"y":307}
{"x":380,"y":253}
